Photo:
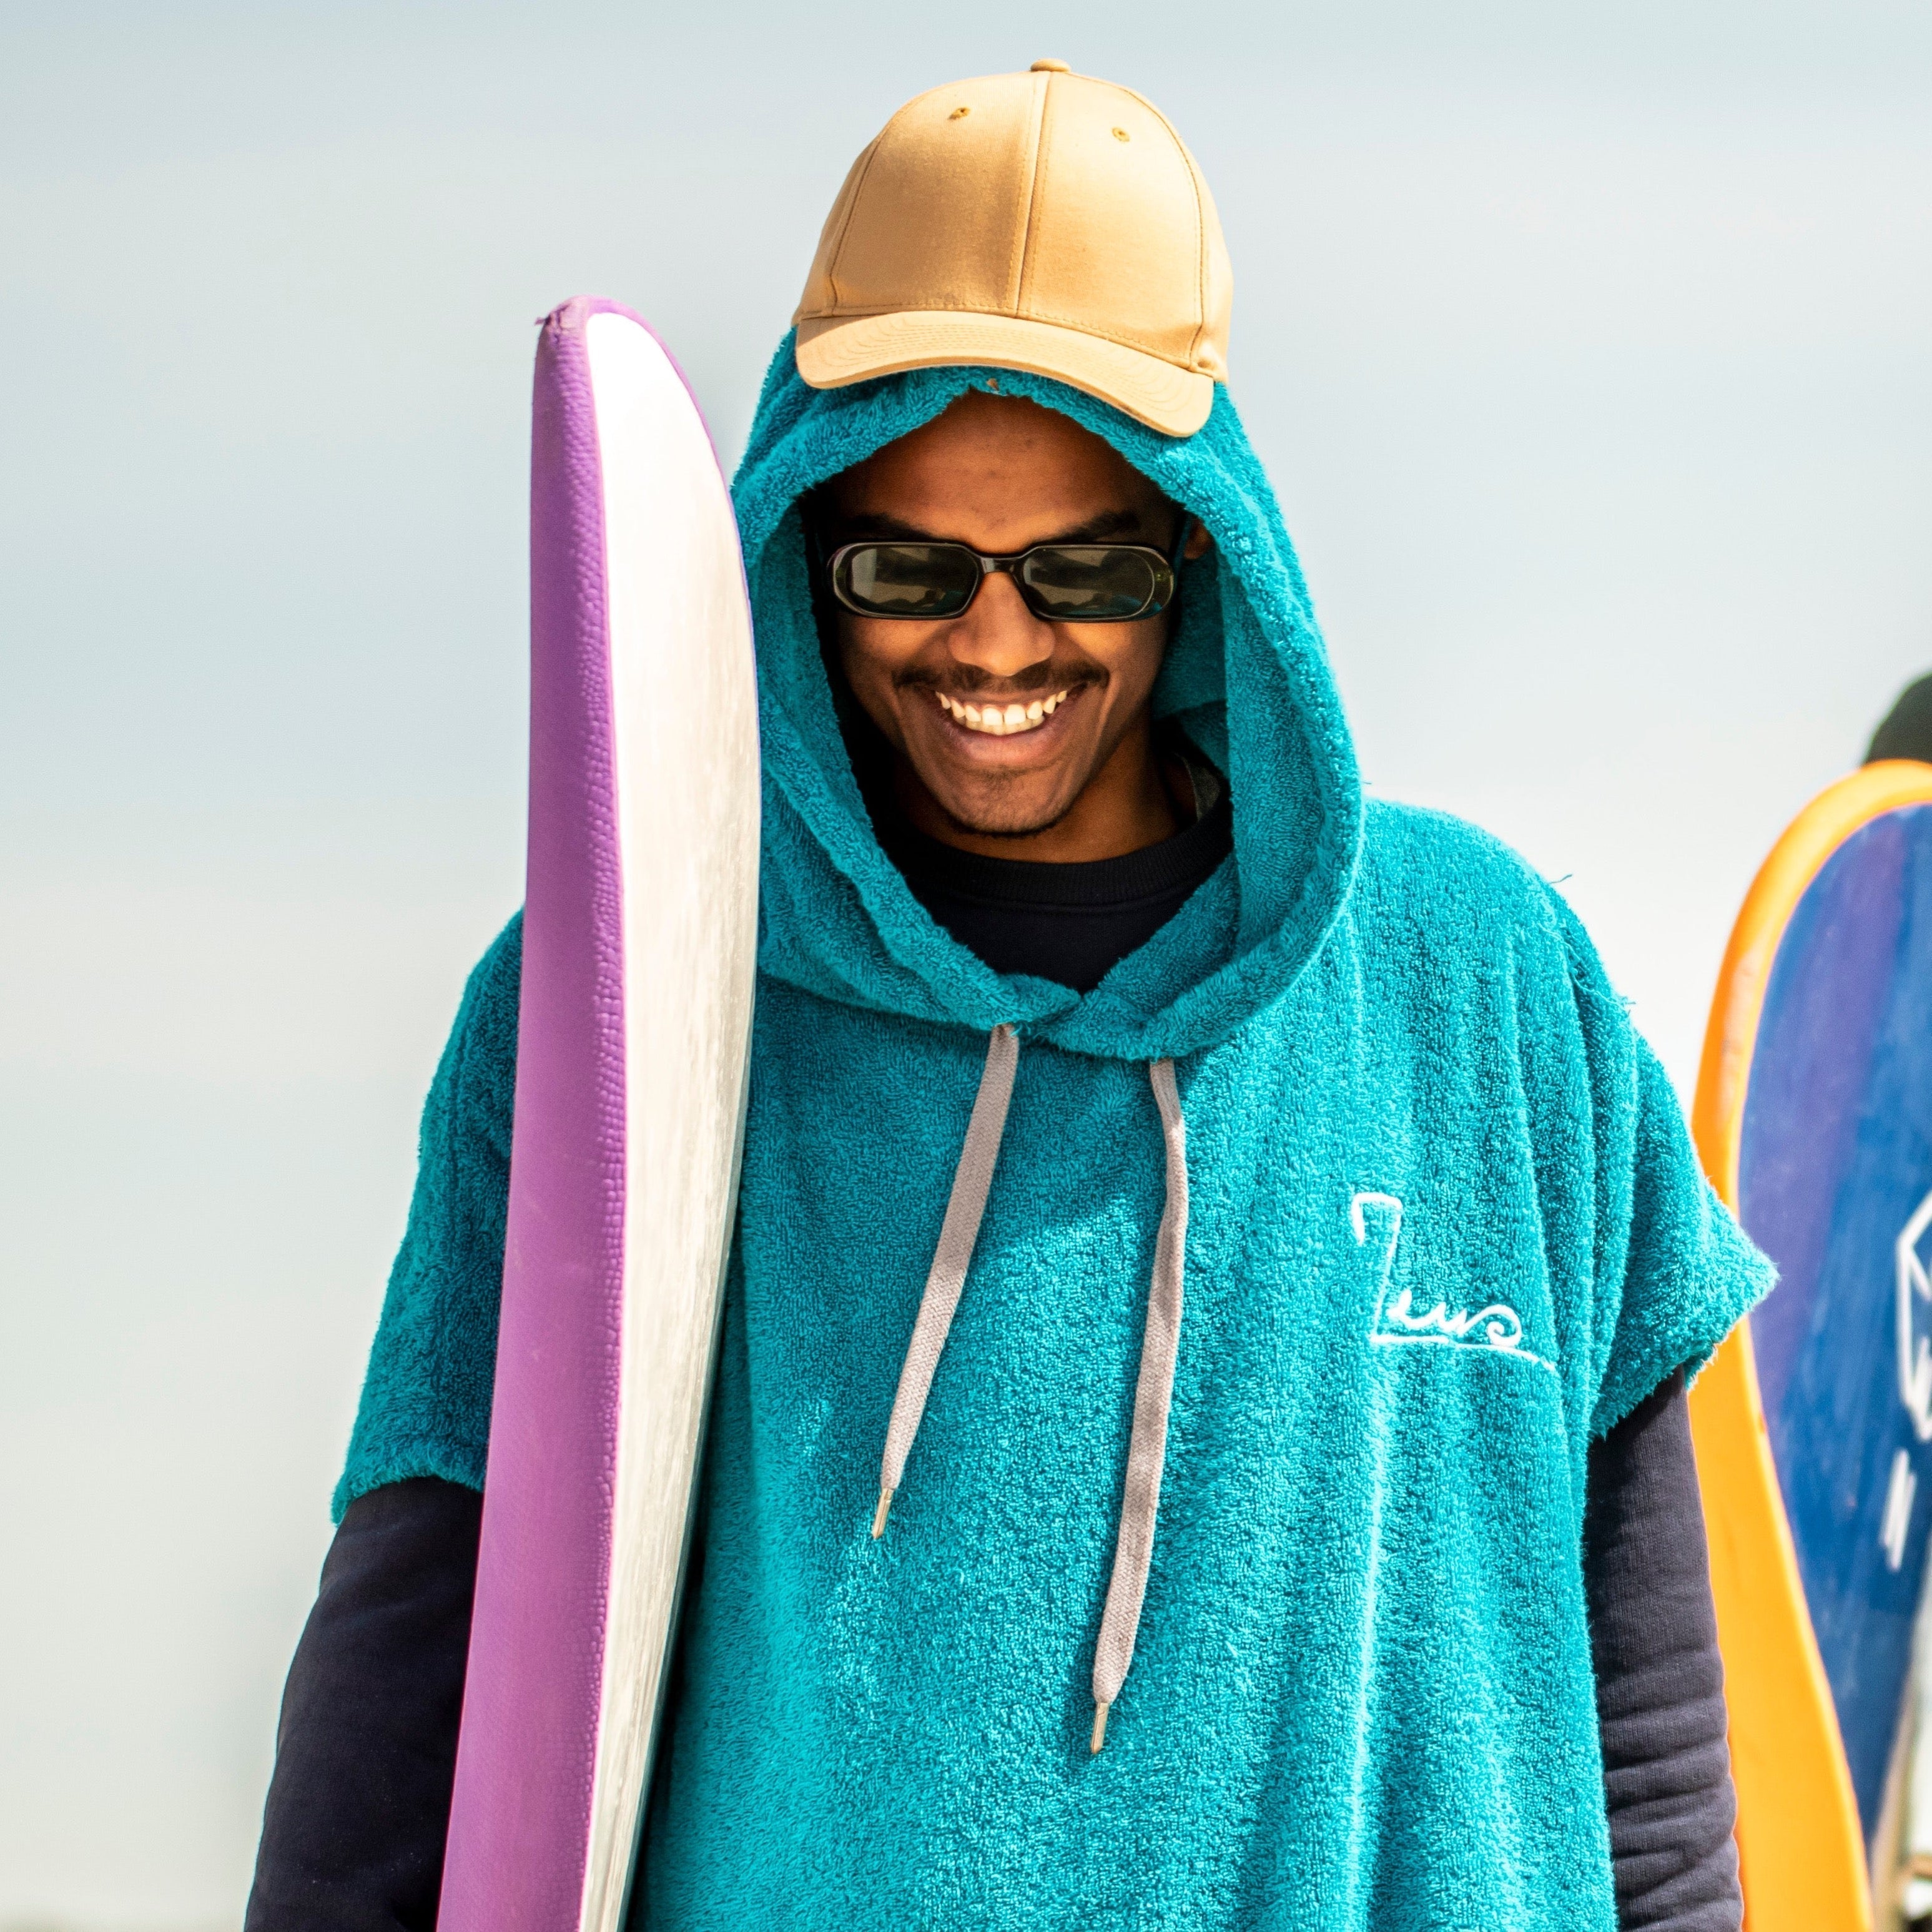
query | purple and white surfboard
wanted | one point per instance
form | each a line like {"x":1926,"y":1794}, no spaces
{"x":639,"y":931}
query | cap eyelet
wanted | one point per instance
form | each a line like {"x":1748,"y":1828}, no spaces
{"x":959,"y":114}
{"x":1121,"y":134}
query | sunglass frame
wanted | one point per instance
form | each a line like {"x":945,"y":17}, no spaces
{"x":1166,"y":577}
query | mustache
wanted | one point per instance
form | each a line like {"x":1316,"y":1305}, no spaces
{"x":963,"y":681}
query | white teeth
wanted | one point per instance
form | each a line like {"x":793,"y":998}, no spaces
{"x":998,"y":722}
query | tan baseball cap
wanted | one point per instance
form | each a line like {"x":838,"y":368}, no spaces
{"x":1044,"y":221}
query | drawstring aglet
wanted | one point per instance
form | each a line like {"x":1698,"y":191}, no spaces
{"x":879,"y":1514}
{"x":1099,"y":1726}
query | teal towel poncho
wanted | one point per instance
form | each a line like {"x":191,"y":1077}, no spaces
{"x":1445,"y":1226}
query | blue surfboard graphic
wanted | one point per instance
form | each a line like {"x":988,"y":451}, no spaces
{"x":1835,"y":1184}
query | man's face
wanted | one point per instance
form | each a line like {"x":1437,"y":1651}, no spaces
{"x":1001,"y":474}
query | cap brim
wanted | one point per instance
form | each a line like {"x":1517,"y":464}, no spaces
{"x":835,"y":350}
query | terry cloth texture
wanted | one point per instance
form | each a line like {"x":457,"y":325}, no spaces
{"x":425,"y":1407}
{"x":355,"y":1727}
{"x":358,"y":1809}
{"x":1444,"y":1227}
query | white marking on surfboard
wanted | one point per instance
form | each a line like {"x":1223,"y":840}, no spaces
{"x":1915,"y":1351}
{"x":1899,"y":1496}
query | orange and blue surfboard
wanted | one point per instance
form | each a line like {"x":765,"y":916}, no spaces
{"x":1813,"y":1422}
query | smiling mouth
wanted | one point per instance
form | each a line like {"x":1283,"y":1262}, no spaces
{"x":1002,"y":721}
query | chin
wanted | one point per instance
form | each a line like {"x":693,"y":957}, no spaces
{"x":1003,"y":817}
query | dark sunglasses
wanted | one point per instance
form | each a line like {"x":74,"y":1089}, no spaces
{"x":1064,"y":584}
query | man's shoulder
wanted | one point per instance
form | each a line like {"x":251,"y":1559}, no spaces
{"x":1433,"y":886}
{"x":473,"y":1097}
{"x":1445,"y":917}
{"x":1422,"y":861}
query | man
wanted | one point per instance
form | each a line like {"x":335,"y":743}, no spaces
{"x":1270,"y":1503}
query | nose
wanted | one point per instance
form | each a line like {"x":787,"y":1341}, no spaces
{"x":998,"y":635}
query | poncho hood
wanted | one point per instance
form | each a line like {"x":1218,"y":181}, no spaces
{"x":1246,"y":677}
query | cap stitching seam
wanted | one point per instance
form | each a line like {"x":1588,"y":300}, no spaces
{"x":851,"y":208}
{"x":1200,"y":225}
{"x":1200,"y":247}
{"x":1019,"y":280}
{"x":1200,"y":261}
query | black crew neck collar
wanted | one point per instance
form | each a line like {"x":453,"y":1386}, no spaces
{"x":1156,"y":871}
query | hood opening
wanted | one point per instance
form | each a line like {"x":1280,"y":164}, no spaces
{"x":1246,"y":678}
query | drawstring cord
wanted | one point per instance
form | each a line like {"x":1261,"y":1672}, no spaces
{"x":1147,"y":1449}
{"x":958,"y":1233}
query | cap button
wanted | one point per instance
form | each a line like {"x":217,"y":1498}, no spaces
{"x":1050,"y":67}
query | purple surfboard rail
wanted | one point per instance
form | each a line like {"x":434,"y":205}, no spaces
{"x":521,"y":1816}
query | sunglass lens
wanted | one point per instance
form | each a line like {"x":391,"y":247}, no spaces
{"x":1095,"y":583}
{"x":908,"y":580}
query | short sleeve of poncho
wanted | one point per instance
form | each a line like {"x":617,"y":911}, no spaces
{"x":1674,"y":1273}
{"x":425,"y":1406}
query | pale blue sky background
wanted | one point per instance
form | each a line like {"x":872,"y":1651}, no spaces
{"x":1592,"y":351}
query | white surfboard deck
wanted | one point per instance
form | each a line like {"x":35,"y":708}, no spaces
{"x":642,"y":899}
{"x":685,"y":713}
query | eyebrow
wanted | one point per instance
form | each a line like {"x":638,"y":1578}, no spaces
{"x":1108,"y":526}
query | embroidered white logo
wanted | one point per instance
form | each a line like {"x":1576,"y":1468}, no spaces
{"x":1496,"y":1328}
